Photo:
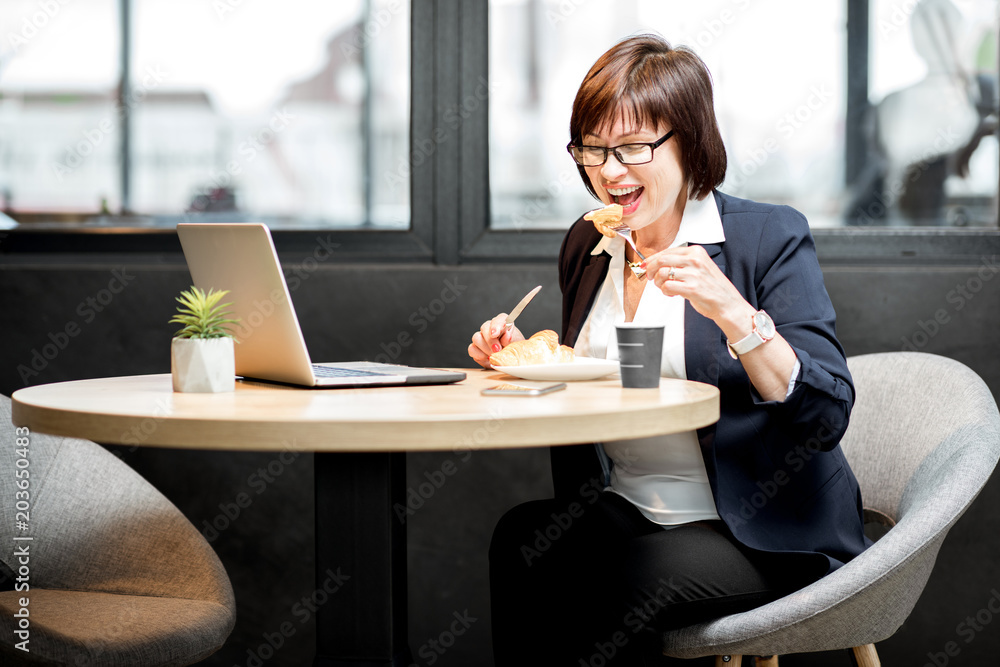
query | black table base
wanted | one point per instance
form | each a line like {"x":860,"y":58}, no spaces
{"x":361,"y":560}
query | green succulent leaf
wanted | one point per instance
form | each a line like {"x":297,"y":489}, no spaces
{"x":201,"y":314}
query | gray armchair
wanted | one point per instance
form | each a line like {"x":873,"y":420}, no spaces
{"x":923,"y":440}
{"x":117,"y":575}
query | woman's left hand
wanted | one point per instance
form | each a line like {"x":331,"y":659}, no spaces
{"x":689,"y":272}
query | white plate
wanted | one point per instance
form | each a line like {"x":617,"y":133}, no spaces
{"x":582,"y":368}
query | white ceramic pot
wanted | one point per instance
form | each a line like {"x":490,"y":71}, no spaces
{"x":203,"y":365}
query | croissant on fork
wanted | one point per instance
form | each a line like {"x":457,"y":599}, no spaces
{"x":605,"y":218}
{"x":542,"y":348}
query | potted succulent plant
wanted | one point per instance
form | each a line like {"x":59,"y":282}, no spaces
{"x":201,"y":354}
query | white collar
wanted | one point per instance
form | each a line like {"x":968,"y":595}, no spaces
{"x":700,"y":223}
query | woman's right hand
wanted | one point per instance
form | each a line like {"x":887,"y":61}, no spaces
{"x":491,"y":338}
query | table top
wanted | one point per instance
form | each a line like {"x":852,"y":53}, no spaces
{"x":144,"y":410}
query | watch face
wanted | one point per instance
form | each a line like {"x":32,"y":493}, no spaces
{"x":764,"y":325}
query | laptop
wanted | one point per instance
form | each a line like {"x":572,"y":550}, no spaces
{"x":240,"y":257}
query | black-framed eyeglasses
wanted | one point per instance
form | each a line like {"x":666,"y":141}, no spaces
{"x":595,"y":156}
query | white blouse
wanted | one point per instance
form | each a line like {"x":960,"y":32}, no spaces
{"x":663,"y":476}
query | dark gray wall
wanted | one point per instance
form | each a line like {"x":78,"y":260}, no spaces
{"x":67,"y":321}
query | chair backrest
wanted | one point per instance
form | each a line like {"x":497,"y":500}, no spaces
{"x":914,"y":414}
{"x":99,"y":526}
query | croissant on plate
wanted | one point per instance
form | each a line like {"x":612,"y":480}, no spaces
{"x":542,"y":348}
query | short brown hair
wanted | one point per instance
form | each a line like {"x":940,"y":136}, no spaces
{"x":645,"y":80}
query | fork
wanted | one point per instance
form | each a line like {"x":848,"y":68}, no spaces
{"x":623,"y":230}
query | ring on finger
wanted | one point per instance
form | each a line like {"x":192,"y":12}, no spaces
{"x":670,"y":274}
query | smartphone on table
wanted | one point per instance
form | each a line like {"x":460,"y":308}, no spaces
{"x":508,"y":389}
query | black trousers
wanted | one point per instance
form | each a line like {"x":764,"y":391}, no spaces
{"x":593,"y":583}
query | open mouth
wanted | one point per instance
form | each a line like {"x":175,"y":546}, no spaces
{"x":627,"y":197}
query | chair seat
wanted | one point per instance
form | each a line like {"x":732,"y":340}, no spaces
{"x":866,"y":601}
{"x":88,"y":628}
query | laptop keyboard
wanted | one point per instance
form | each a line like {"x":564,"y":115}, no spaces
{"x":334,"y":372}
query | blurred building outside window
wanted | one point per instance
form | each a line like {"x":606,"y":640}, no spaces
{"x":59,"y":134}
{"x":291,"y":112}
{"x":780,"y":74}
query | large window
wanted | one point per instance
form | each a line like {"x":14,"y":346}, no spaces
{"x":443,"y":124}
{"x":927,"y":138}
{"x":59,"y":137}
{"x":290,"y":111}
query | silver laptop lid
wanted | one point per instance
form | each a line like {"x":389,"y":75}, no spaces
{"x":241,"y":258}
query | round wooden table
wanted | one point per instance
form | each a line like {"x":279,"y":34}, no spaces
{"x":360,"y":437}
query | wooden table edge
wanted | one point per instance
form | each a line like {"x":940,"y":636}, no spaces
{"x":498,"y":431}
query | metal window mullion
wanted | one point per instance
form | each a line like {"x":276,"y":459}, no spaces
{"x":444,"y":143}
{"x":367,"y":139}
{"x":124,"y":108}
{"x":474,"y":104}
{"x":858,"y":65}
{"x":423,"y":94}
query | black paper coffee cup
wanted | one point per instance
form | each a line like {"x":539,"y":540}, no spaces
{"x":640,"y":348}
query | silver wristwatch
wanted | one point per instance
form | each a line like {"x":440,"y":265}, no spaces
{"x":763,"y":331}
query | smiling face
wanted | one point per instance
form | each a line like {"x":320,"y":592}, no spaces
{"x":653,"y":194}
{"x":638,"y":90}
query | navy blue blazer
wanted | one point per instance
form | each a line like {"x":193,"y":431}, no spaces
{"x":779,"y":478}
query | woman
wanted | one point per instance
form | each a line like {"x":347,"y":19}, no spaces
{"x":651,"y":534}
